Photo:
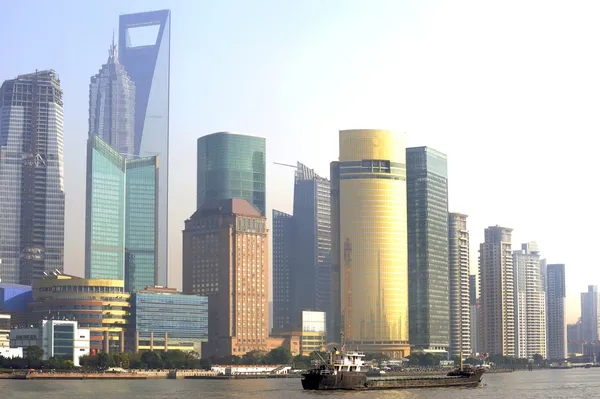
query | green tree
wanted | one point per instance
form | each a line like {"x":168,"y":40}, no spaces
{"x":152,"y":360}
{"x":279,"y":355}
{"x":103,"y":360}
{"x":120,"y":360}
{"x":538,"y":359}
{"x":35,"y":353}
{"x":254,"y":357}
{"x":205,"y":364}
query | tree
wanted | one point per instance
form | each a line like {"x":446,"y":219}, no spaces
{"x":538,"y":359}
{"x":35,"y":353}
{"x":103,"y":360}
{"x":279,"y":355}
{"x":153,"y":360}
{"x":254,"y":357}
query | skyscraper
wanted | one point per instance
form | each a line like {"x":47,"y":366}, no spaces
{"x":368,"y":213}
{"x":460,"y":280}
{"x":496,"y":277}
{"x":112,"y":105}
{"x":474,"y":313}
{"x":311,"y":271}
{"x":232,"y":166}
{"x":589,"y":314}
{"x":121,"y":216}
{"x":225,"y":257}
{"x":283,"y":254}
{"x":556,"y":316}
{"x":32,"y":200}
{"x":145,"y":52}
{"x":427,"y":206}
{"x":530,"y":303}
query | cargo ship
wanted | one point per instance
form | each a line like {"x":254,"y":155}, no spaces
{"x":344,"y":370}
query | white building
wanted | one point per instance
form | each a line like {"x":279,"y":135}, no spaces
{"x":58,"y":338}
{"x":4,"y":330}
{"x":530,"y":303}
{"x":9,"y":353}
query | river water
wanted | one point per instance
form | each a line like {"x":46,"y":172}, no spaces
{"x":547,"y":384}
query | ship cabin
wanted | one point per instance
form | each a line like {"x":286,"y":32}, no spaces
{"x":346,"y":360}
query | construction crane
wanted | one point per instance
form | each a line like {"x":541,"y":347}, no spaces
{"x":286,"y":164}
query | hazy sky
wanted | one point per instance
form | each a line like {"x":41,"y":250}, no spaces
{"x":510,"y":90}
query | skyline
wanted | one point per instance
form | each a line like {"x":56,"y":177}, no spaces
{"x":316,"y":92}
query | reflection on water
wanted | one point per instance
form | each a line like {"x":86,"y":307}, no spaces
{"x":547,"y":384}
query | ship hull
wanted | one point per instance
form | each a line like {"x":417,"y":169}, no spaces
{"x":359,"y":381}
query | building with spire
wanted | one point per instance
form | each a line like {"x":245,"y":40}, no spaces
{"x":112,"y":105}
{"x":32,"y":199}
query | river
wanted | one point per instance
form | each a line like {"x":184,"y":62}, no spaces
{"x":547,"y":384}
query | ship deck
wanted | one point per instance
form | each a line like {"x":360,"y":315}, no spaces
{"x":415,"y":377}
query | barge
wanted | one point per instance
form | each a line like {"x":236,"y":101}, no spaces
{"x":343,"y":370}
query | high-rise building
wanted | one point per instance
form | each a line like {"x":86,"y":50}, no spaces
{"x":544,"y":273}
{"x":32,"y":200}
{"x":225,"y":257}
{"x":232,"y":166}
{"x":283,"y":254}
{"x":474,"y":313}
{"x":112,"y":105}
{"x":145,"y":52}
{"x":121,"y":216}
{"x":460,"y":280}
{"x":496,"y":287}
{"x":428,"y":281}
{"x":530,"y":303}
{"x":311,"y":267}
{"x":589,"y":314}
{"x":369,"y":241}
{"x":556,"y":316}
{"x":575,"y":341}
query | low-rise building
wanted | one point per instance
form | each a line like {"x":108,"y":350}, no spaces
{"x":4,"y":330}
{"x":58,"y":338}
{"x":100,"y":305}
{"x":14,"y":300}
{"x":9,"y":353}
{"x":311,"y":336}
{"x":163,"y":319}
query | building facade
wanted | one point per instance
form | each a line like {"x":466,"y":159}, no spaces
{"x":147,"y":62}
{"x":32,"y":201}
{"x":311,"y":267}
{"x":98,"y":305}
{"x":460,"y":280}
{"x":428,"y":281}
{"x":496,"y":279}
{"x":556,"y":312}
{"x":164,"y":319}
{"x":283,"y":256}
{"x":530,"y":303}
{"x":589,"y":314}
{"x":5,"y":330}
{"x":314,"y":332}
{"x":369,"y":241}
{"x":112,"y":105}
{"x":232,"y":165}
{"x":225,"y":257}
{"x":62,"y":339}
{"x":475,"y":315}
{"x":121,"y":216}
{"x":575,"y":342}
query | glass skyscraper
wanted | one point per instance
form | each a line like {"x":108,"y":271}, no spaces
{"x":232,"y":166}
{"x":32,"y":199}
{"x":311,"y":271}
{"x":369,"y":248}
{"x":144,"y":51}
{"x":283,"y":256}
{"x":121,"y":216}
{"x":428,"y":279}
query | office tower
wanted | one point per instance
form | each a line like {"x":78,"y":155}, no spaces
{"x":530,"y":303}
{"x":544,"y":274}
{"x":112,"y":105}
{"x":575,"y":340}
{"x":311,"y":267}
{"x":121,"y":216}
{"x":474,"y":313}
{"x":369,"y":243}
{"x":283,"y":253}
{"x":231,"y":166}
{"x":589,"y":314}
{"x":460,"y":280}
{"x":32,"y":200}
{"x":496,"y":287}
{"x":225,"y":257}
{"x":145,"y":52}
{"x":428,"y":281}
{"x":556,"y":315}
